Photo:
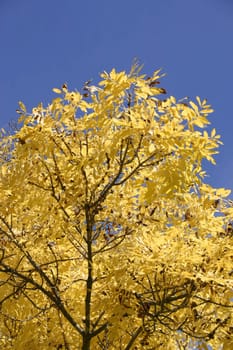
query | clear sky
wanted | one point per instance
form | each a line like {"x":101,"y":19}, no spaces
{"x":48,"y":42}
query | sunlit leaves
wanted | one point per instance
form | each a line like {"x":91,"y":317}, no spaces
{"x":107,"y":228}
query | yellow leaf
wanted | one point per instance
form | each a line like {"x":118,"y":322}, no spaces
{"x":213,"y":132}
{"x":22,"y":106}
{"x":199,"y":100}
{"x":194,"y":106}
{"x":152,"y":148}
{"x":57,"y":91}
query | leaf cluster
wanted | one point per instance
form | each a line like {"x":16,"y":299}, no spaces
{"x":109,"y":236}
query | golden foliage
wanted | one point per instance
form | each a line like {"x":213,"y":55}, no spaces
{"x":109,"y":236}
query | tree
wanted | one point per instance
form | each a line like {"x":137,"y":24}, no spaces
{"x":109,"y":236}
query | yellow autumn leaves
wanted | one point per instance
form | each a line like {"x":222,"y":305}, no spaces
{"x":107,"y":227}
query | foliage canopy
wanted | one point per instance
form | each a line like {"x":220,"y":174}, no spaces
{"x":109,"y":236}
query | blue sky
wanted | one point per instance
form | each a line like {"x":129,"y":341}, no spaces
{"x":48,"y":42}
